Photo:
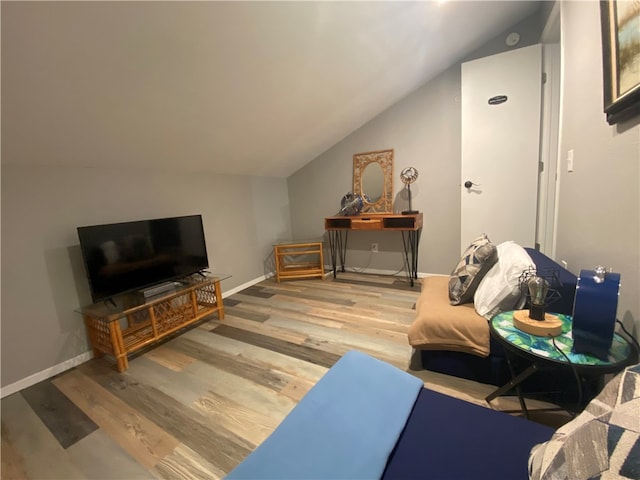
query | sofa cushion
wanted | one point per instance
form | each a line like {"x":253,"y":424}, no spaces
{"x":499,"y":290}
{"x":476,"y":261}
{"x":441,"y":326}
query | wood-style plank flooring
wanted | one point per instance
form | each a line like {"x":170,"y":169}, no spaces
{"x":199,"y":403}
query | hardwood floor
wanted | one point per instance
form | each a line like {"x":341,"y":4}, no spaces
{"x":196,"y":405}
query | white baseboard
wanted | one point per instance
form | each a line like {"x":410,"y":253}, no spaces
{"x":84,"y":357}
{"x":400,"y":274}
{"x":248,"y":284}
{"x":44,"y":374}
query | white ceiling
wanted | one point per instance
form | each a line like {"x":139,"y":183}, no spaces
{"x":250,"y":88}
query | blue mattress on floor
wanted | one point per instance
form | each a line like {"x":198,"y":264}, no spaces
{"x":366,"y":419}
{"x":345,"y":427}
{"x":447,"y":438}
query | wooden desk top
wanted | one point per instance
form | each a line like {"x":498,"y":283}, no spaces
{"x":374,"y":221}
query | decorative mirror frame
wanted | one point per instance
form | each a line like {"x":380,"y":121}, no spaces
{"x":384,"y":158}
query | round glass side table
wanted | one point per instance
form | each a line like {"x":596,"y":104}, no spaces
{"x":553,"y":353}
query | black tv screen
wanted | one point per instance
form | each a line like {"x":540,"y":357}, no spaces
{"x":121,"y":257}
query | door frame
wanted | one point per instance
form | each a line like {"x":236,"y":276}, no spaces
{"x":549,"y":175}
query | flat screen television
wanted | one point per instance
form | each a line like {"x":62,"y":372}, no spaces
{"x":122,"y":257}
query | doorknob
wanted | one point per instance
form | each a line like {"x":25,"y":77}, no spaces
{"x":469,"y":184}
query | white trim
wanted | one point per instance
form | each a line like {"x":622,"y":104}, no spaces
{"x":547,"y":183}
{"x":375,"y":271}
{"x":86,"y":356}
{"x":549,"y":191}
{"x":248,"y":284}
{"x":560,"y":162}
{"x":45,"y":374}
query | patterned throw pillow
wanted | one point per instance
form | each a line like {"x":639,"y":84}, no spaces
{"x":499,"y":289}
{"x":476,"y":261}
{"x":602,"y":442}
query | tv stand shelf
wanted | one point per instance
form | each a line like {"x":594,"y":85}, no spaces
{"x":130,"y":322}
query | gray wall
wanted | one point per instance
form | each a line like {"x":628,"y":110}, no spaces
{"x":43,"y":278}
{"x":603,"y":227}
{"x":424,"y":129}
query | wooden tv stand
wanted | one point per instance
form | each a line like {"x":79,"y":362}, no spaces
{"x":129,"y":323}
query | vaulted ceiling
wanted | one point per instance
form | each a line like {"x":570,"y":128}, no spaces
{"x":250,"y":88}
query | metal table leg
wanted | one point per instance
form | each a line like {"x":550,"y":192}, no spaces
{"x":515,"y":382}
{"x":410,"y":242}
{"x":338,"y":248}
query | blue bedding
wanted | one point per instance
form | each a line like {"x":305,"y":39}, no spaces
{"x":366,"y":419}
{"x":344,"y":428}
{"x":450,"y":439}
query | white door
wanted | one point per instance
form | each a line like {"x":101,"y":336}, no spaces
{"x":501,"y":101}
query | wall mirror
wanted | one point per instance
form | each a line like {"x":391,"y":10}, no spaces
{"x":373,"y":180}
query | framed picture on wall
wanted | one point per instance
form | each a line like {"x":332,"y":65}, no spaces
{"x":621,"y":58}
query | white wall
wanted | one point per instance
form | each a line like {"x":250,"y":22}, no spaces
{"x":43,"y":278}
{"x":599,"y":202}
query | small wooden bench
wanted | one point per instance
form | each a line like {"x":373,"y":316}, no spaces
{"x":298,"y":260}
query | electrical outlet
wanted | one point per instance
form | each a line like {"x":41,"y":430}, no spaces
{"x":374,"y":248}
{"x":564,"y":264}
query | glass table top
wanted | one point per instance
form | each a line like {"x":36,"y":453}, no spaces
{"x":118,"y":304}
{"x":502,"y":325}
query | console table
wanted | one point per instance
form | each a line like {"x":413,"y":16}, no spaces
{"x":129,"y":322}
{"x":410,"y":226}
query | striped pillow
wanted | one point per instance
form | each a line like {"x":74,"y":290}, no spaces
{"x":476,"y":261}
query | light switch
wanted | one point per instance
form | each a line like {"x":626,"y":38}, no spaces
{"x":570,"y":161}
